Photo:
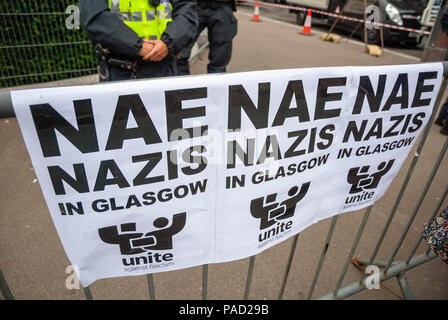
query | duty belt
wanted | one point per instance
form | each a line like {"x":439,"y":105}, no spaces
{"x":106,"y":61}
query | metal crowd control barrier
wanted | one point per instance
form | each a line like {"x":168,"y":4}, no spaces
{"x":391,"y":268}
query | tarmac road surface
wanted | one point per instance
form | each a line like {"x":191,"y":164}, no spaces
{"x":282,"y":14}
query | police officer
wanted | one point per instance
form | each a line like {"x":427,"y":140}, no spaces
{"x":221,"y":24}
{"x":138,"y":38}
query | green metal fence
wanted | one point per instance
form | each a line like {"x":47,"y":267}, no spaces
{"x":40,"y":42}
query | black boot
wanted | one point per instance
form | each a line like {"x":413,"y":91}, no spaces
{"x":439,"y":122}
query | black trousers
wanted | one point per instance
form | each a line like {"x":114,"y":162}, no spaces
{"x":222,"y":27}
{"x":443,"y":115}
{"x":165,"y":68}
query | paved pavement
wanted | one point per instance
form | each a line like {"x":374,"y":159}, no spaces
{"x":34,"y":263}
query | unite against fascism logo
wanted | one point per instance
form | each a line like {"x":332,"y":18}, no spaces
{"x":132,"y":242}
{"x":363,"y":182}
{"x":274,"y":215}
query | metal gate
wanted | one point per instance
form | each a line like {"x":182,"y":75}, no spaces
{"x":391,"y":267}
{"x":295,"y":268}
{"x":41,"y":41}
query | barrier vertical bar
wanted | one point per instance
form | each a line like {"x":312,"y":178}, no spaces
{"x":198,"y":52}
{"x":88,"y":293}
{"x":419,"y":203}
{"x":352,"y":252}
{"x":204,"y":281}
{"x":404,"y":287}
{"x":288,"y":267}
{"x":322,"y":257}
{"x":437,"y":209}
{"x":365,"y":27}
{"x":249,"y":277}
{"x":7,"y":294}
{"x":381,"y":28}
{"x":436,"y":47}
{"x":411,"y":169}
{"x":152,"y":295}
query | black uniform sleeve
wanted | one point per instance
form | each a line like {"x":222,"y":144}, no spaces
{"x":181,"y":30}
{"x":106,"y":28}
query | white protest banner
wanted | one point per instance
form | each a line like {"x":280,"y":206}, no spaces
{"x":158,"y":175}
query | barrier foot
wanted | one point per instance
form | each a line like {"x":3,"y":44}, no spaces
{"x":397,"y":269}
{"x":404,"y":287}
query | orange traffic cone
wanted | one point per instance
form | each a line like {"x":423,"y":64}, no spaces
{"x":256,"y":16}
{"x":338,"y":10}
{"x":307,"y":27}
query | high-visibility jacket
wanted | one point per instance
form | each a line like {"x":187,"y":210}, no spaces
{"x":145,"y":19}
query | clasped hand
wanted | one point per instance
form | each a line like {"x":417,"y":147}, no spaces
{"x":153,"y":50}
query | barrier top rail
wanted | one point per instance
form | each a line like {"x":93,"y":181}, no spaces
{"x":6,"y":109}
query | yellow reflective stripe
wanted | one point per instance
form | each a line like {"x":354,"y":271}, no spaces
{"x":150,"y":15}
{"x":137,"y":16}
{"x":114,"y":5}
{"x":146,"y":20}
{"x":164,"y":13}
